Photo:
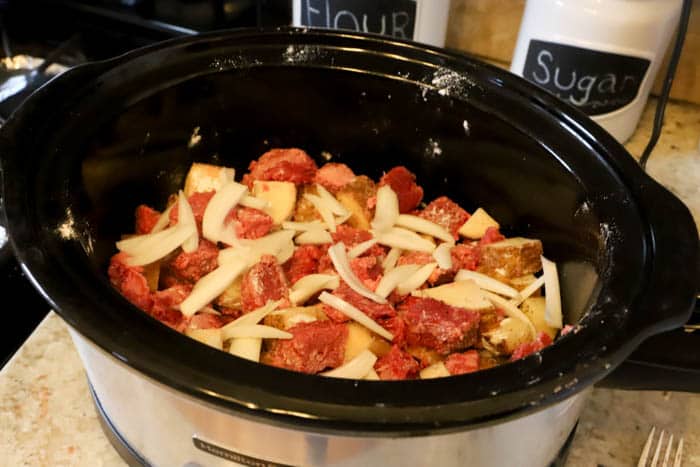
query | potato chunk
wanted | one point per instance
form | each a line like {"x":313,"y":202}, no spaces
{"x":476,"y":225}
{"x":304,"y":210}
{"x":463,"y":294}
{"x":231,"y":297}
{"x":507,"y":336}
{"x":360,"y":338}
{"x":533,"y":308}
{"x":281,"y":196}
{"x":354,"y":197}
{"x":206,"y":177}
{"x":513,"y":257}
{"x":289,"y":317}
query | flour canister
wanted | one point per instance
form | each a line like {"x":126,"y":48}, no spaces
{"x":599,"y":55}
{"x":420,"y":20}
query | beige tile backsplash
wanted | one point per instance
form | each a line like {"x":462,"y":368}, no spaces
{"x":489,"y":29}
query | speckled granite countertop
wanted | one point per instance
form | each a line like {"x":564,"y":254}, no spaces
{"x":47,"y":417}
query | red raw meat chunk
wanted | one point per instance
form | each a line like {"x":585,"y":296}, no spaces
{"x":369,"y":307}
{"x":193,"y":266}
{"x":263,"y":282}
{"x":403,"y":182}
{"x":350,"y":236}
{"x":461,"y":363}
{"x":130,"y":281}
{"x":303,"y":262}
{"x":433,"y":324}
{"x":465,"y":257}
{"x":315,"y":347}
{"x":206,"y":321}
{"x":446,"y":213}
{"x":249,"y":223}
{"x":523,"y":350}
{"x":283,"y":165}
{"x":334,"y":176}
{"x":198,"y":203}
{"x":492,"y":235}
{"x":420,"y":258}
{"x":397,"y":327}
{"x":368,"y":269}
{"x":166,"y":305}
{"x":396,"y":365}
{"x":146,"y":218}
{"x":325,"y":265}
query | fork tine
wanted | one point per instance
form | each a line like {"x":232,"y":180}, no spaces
{"x":668,"y":451}
{"x":679,"y":454}
{"x":645,"y":452}
{"x":659,"y":442}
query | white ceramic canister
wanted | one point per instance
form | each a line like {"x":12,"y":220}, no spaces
{"x":419,"y":20}
{"x":599,"y":55}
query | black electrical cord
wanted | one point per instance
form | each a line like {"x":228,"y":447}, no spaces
{"x":668,"y":81}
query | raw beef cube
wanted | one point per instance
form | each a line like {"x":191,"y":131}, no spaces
{"x":446,"y":213}
{"x":334,"y":176}
{"x":461,"y":363}
{"x":403,"y":182}
{"x":263,"y":282}
{"x":283,"y":165}
{"x":191,"y":267}
{"x":396,"y":365}
{"x":316,"y":346}
{"x":130,"y":281}
{"x":146,"y":218}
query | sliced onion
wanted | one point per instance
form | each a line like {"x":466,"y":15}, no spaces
{"x":254,"y":331}
{"x":185,"y":217}
{"x":361,"y":248}
{"x":255,"y":316}
{"x":395,"y":277}
{"x":511,"y":310}
{"x":528,"y":291}
{"x":211,"y":286}
{"x":218,"y":208}
{"x":416,"y":279}
{"x":278,"y":244}
{"x":387,"y":209}
{"x":371,"y":375}
{"x":443,"y":256}
{"x":313,"y":237}
{"x":354,"y":314}
{"x":418,"y":224}
{"x":146,"y":252}
{"x":333,"y":204}
{"x":323,"y":209}
{"x":304,"y":226}
{"x":226,"y":174}
{"x":163,"y":220}
{"x":552,"y":307}
{"x":310,"y":285}
{"x":436,"y":370}
{"x":397,"y":237}
{"x":342,"y":265}
{"x":144,"y":242}
{"x":357,"y":368}
{"x":255,"y":203}
{"x":246,"y":347}
{"x":392,"y":257}
{"x":488,"y":283}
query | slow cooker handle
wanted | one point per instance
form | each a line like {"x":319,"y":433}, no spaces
{"x":670,"y":358}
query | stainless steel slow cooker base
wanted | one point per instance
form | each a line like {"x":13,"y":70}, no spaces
{"x":166,"y":427}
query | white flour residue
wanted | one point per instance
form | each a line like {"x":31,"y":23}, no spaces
{"x":433,"y":149}
{"x":226,"y":63}
{"x":301,"y":54}
{"x":451,"y":83}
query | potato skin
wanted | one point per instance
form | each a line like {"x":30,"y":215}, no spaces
{"x":513,"y":257}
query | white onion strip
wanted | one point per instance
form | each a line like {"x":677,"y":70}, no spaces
{"x":528,"y":291}
{"x":371,"y":375}
{"x":303,"y":226}
{"x":313,"y":237}
{"x":323,"y":209}
{"x":443,"y":256}
{"x":255,"y":203}
{"x":211,"y":286}
{"x":340,"y":261}
{"x":392,"y":257}
{"x":278,"y":244}
{"x":394,"y":277}
{"x":510,"y":310}
{"x":163,"y":220}
{"x":488,"y":283}
{"x":552,"y":307}
{"x":148,"y":252}
{"x":418,"y":224}
{"x":254,"y":317}
{"x":356,"y":368}
{"x":416,"y":279}
{"x":246,"y":347}
{"x":387,"y":209}
{"x":397,"y":237}
{"x":354,"y":314}
{"x":225,"y":199}
{"x":332,"y":203}
{"x":144,"y":242}
{"x":310,"y":285}
{"x":185,"y":217}
{"x":361,"y":248}
{"x":254,"y":331}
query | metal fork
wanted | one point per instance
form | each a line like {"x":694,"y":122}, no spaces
{"x":644,"y":458}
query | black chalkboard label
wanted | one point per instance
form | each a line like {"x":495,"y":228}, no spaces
{"x":596,"y":82}
{"x":395,"y":18}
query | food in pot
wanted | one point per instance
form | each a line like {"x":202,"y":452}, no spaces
{"x":323,"y":271}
